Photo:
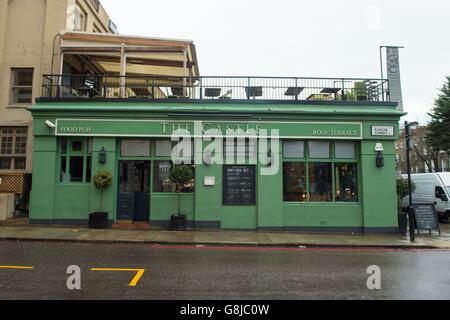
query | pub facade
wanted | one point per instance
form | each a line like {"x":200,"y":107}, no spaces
{"x":267,"y":153}
{"x":329,"y":167}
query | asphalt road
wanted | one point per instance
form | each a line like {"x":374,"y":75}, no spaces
{"x":219,"y":272}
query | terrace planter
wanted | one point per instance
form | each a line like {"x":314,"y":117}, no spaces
{"x":402,"y":223}
{"x":178,"y":222}
{"x":98,"y":220}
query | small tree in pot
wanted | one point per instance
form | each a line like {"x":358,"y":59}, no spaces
{"x":180,"y":174}
{"x":101,"y":181}
{"x":402,"y":191}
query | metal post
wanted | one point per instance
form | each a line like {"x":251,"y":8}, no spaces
{"x":381,"y":61}
{"x":412,"y":225}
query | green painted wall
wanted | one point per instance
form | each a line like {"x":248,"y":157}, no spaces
{"x":162,"y":206}
{"x":109,"y":194}
{"x":68,"y":204}
{"x":378,"y":184}
{"x":376,"y":210}
{"x":208,"y":199}
{"x":44,"y":179}
{"x":322,"y":215}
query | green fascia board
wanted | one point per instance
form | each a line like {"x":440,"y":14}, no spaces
{"x":380,"y":109}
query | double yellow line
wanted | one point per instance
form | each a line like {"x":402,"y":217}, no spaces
{"x":133,"y":283}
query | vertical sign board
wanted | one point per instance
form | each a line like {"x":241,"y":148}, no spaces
{"x":393,"y":75}
{"x":426,"y":217}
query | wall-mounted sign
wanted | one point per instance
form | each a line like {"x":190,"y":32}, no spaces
{"x":383,"y":131}
{"x":239,"y":185}
{"x":209,"y":181}
{"x":165,"y":128}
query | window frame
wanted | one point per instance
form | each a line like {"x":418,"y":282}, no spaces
{"x":13,"y":86}
{"x":152,"y":158}
{"x":69,"y":154}
{"x":13,"y":155}
{"x":332,"y":160}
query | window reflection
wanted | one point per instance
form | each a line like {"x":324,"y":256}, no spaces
{"x":161,"y":178}
{"x":320,"y":184}
{"x":346,"y":182}
{"x":294,"y":182}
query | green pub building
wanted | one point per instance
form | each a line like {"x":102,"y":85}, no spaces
{"x":309,"y":153}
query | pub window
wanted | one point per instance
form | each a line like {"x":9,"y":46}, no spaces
{"x":76,"y":161}
{"x":239,"y":185}
{"x":319,"y":149}
{"x":320,"y":184}
{"x":316,"y":175}
{"x":293,"y":149}
{"x":21,"y":85}
{"x":239,"y":148}
{"x":13,"y":148}
{"x":344,"y":150}
{"x":135,"y":148}
{"x":294,"y":181}
{"x":346,"y":182}
{"x":162,"y":182}
{"x":163,"y":148}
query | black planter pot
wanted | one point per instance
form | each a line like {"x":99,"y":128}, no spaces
{"x":98,"y":220}
{"x":402,"y":223}
{"x":178,"y":222}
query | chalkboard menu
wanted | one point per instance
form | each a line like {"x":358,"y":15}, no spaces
{"x":425,"y":216}
{"x":239,"y":185}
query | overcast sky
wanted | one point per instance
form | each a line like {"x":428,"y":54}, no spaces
{"x":305,"y":38}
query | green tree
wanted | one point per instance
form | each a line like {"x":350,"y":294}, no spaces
{"x":180,"y":174}
{"x":101,"y":181}
{"x":438,"y":136}
{"x":403,"y":191}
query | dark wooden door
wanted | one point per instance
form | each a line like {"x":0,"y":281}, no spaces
{"x":133,"y":202}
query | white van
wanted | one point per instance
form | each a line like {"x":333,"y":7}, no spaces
{"x":431,"y":188}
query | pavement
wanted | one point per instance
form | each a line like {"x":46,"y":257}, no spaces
{"x":224,"y":237}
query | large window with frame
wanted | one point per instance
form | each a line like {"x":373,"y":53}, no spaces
{"x":75,"y":158}
{"x":162,"y":181}
{"x":320,"y":171}
{"x":13,"y":148}
{"x":162,"y":165}
{"x":21,"y":85}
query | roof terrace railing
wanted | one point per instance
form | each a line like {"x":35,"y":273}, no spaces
{"x":293,"y":89}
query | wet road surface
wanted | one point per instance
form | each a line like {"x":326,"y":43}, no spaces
{"x":173,"y":272}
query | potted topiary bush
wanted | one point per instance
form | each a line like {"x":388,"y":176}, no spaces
{"x":403,"y":191}
{"x":99,"y":219}
{"x":179,"y":174}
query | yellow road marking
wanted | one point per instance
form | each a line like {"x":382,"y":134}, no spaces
{"x":15,"y":267}
{"x":133,"y":283}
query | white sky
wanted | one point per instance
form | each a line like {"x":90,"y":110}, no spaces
{"x":305,"y":38}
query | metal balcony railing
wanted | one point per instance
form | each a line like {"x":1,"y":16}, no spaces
{"x":214,"y":88}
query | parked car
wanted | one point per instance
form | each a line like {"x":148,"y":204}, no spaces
{"x":432,"y":188}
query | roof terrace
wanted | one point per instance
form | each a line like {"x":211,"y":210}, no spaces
{"x":116,"y":67}
{"x":173,"y":88}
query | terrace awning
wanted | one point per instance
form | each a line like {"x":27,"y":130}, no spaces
{"x":118,"y":54}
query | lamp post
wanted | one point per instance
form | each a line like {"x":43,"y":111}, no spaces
{"x":409,"y":141}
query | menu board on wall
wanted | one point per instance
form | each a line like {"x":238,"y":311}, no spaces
{"x":239,"y":185}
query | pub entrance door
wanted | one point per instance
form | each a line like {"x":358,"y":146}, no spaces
{"x":133,"y":200}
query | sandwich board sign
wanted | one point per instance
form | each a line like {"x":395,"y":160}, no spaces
{"x":426,"y":217}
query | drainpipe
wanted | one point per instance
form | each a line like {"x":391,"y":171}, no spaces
{"x":123,"y":64}
{"x":185,"y":72}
